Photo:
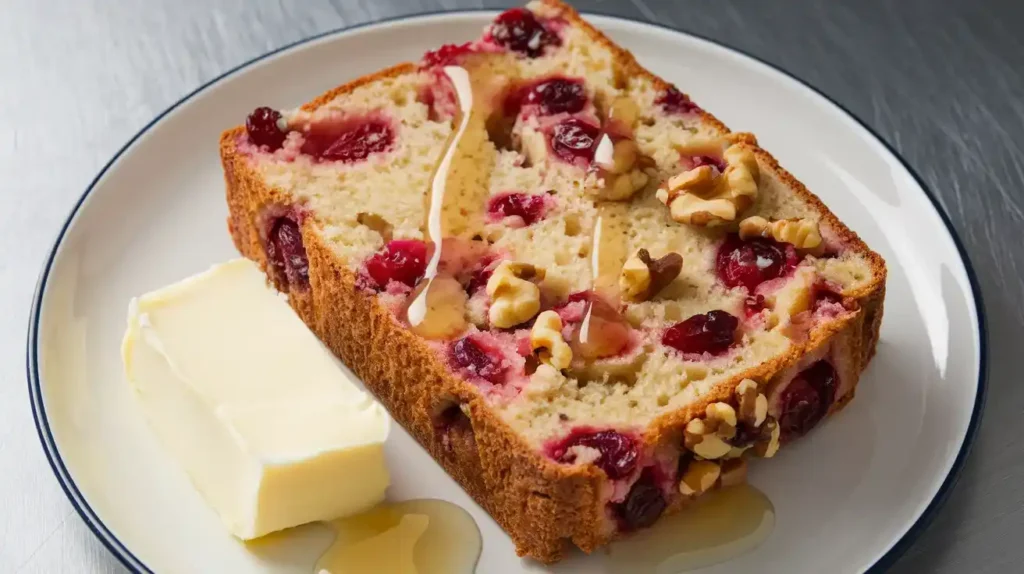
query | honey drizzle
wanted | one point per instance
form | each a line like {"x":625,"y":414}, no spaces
{"x":604,"y":152}
{"x":409,"y":537}
{"x":607,"y":256}
{"x":720,"y":526}
{"x":428,"y":298}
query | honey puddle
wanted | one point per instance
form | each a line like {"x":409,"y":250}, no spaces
{"x":409,"y":537}
{"x":717,"y":527}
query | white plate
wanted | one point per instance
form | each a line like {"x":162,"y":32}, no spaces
{"x":846,"y":497}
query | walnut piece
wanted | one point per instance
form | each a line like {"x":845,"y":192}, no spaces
{"x":699,"y":180}
{"x":768,"y":443}
{"x":753,"y":406}
{"x":643,"y":277}
{"x":699,"y":477}
{"x":693,"y":433}
{"x":514,"y":297}
{"x":801,"y":233}
{"x":547,"y":342}
{"x":721,"y":412}
{"x":703,"y":197}
{"x":701,"y":437}
{"x":635,"y":278}
{"x":709,"y":437}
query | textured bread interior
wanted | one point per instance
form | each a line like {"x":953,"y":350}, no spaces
{"x":395,"y":189}
{"x":666,"y":388}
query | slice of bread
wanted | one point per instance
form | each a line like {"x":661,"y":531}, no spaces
{"x":582,"y":294}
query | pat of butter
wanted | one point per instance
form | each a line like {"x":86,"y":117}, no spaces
{"x":268,"y":427}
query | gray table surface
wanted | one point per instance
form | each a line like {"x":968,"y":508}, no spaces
{"x":942,"y":81}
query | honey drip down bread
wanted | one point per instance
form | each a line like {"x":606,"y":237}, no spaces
{"x":583,"y":295}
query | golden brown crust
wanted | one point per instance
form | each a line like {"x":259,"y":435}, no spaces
{"x":541,"y":504}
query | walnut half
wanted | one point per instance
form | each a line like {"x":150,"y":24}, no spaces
{"x":768,"y":443}
{"x":643,"y":277}
{"x":707,"y":437}
{"x":801,"y":233}
{"x":701,"y":196}
{"x":547,"y":343}
{"x":515,"y":298}
{"x":727,"y":432}
{"x":753,"y":404}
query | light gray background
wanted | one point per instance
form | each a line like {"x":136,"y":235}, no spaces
{"x":942,"y":81}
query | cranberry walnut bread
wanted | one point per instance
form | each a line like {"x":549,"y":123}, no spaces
{"x":584,"y":296}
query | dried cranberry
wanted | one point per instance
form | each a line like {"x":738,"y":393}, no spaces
{"x":643,"y":505}
{"x":447,"y":54}
{"x":807,"y":398}
{"x":557,"y":95}
{"x":347,"y":141}
{"x":580,"y":296}
{"x":713,"y":332}
{"x":520,"y":31}
{"x":286,"y":252}
{"x":261,"y":125}
{"x":618,"y":451}
{"x":574,"y":138}
{"x":529,"y":207}
{"x":748,"y":263}
{"x":471,"y":356}
{"x":478,"y":280}
{"x":676,"y":102}
{"x":402,"y":260}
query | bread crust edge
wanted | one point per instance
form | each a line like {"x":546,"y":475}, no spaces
{"x":541,"y":504}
